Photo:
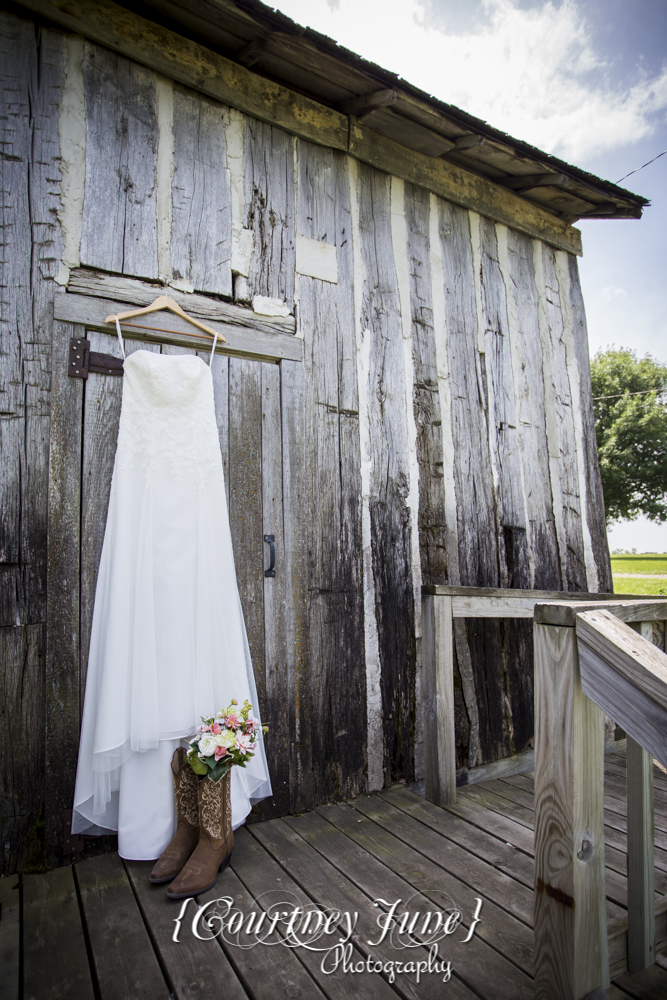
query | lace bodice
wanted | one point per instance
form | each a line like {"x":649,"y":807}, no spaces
{"x":167,"y":418}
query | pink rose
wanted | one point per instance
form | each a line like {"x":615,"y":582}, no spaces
{"x":220,"y":752}
{"x":215,"y":728}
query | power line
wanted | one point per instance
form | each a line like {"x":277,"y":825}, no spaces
{"x":637,"y":169}
{"x":641,"y":392}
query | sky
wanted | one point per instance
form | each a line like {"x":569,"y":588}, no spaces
{"x":585,"y":80}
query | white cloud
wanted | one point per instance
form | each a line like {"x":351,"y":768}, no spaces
{"x":532,"y":73}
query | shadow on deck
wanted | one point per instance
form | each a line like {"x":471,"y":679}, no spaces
{"x":100,"y":930}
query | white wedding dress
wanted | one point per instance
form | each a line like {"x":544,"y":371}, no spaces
{"x":168,"y":642}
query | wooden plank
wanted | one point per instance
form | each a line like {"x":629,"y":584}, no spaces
{"x":269,"y":211}
{"x":275,"y":640}
{"x":493,"y":607}
{"x":631,"y":655}
{"x":327,"y":887}
{"x":542,"y":595}
{"x":523,"y":304}
{"x":259,"y":969}
{"x":123,"y":957}
{"x":332,"y":461}
{"x":484,"y":878}
{"x":514,"y":553}
{"x":641,"y":879}
{"x":55,"y":963}
{"x":438,"y":688}
{"x":30,"y":79}
{"x":594,"y":507}
{"x":241,"y":341}
{"x":83,"y":281}
{"x":10,"y":937}
{"x":626,"y":610}
{"x":245,"y":505}
{"x":121,"y":165}
{"x":201,"y":225}
{"x":390,"y":521}
{"x":194,"y":969}
{"x":649,"y":985}
{"x":295,"y":514}
{"x":257,"y":870}
{"x":571,"y":954}
{"x":62,"y":632}
{"x":560,"y":423}
{"x":479,"y":841}
{"x":428,"y":417}
{"x":482,"y":967}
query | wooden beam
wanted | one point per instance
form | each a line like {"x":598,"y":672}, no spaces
{"x":242,"y":342}
{"x":464,"y":143}
{"x":625,"y":610}
{"x":225,"y":80}
{"x":571,"y":952}
{"x":623,"y":674}
{"x":360,"y":106}
{"x":528,"y":181}
{"x":252,"y":52}
{"x":438,"y":673}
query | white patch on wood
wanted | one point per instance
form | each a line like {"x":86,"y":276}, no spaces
{"x":316,"y":259}
{"x":563,"y":275}
{"x":550,"y":410}
{"x":269,"y":307}
{"x":444,"y":391}
{"x":182,"y":285}
{"x":375,"y":744}
{"x":399,"y":240}
{"x":513,"y":326}
{"x":242,"y":239}
{"x":72,"y":131}
{"x":164,"y":105}
{"x":476,"y":244}
{"x":295,"y":153}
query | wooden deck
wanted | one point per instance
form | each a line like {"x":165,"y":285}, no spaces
{"x":100,"y":930}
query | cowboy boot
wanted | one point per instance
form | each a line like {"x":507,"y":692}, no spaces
{"x":216,"y":840}
{"x":185,"y":839}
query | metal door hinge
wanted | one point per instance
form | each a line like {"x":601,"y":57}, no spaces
{"x":82,"y":361}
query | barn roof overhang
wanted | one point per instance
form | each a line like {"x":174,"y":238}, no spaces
{"x":311,"y":64}
{"x":246,"y":55}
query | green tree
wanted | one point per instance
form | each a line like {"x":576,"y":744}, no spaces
{"x":629,"y":397}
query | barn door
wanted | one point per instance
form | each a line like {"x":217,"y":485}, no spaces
{"x":83,"y":444}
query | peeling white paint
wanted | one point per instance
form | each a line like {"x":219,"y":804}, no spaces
{"x":563,"y":276}
{"x":242,"y":239}
{"x":399,"y":241}
{"x":316,"y":259}
{"x":264,"y":306}
{"x":164,"y":101}
{"x":476,"y":244}
{"x":551,"y":417}
{"x":444,"y":391}
{"x":72,"y":131}
{"x":513,"y":326}
{"x":375,"y":739}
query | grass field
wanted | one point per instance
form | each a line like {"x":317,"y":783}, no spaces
{"x":653,"y":584}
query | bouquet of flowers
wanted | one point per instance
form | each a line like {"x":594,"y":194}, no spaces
{"x":229,"y":739}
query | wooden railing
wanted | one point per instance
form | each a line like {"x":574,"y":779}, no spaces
{"x":593,"y":655}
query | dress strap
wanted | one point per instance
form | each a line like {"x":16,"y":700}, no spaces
{"x":215,"y":341}
{"x":120,"y":338}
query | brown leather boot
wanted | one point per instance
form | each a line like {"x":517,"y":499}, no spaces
{"x":185,"y":839}
{"x":216,"y":840}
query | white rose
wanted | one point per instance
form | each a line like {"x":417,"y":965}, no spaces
{"x":207,"y":744}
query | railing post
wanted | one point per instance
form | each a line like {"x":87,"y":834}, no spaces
{"x":439,"y":741}
{"x":571,"y":953}
{"x":641,"y":861}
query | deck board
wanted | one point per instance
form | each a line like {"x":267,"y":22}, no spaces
{"x":100,"y":929}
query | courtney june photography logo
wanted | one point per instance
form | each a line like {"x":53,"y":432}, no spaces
{"x":394,"y":940}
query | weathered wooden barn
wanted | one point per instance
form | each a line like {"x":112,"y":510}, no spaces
{"x":403,"y":397}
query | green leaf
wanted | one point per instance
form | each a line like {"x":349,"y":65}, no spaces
{"x":197,"y":765}
{"x":218,"y":771}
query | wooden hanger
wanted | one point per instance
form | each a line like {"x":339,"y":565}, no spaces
{"x":165,"y":302}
